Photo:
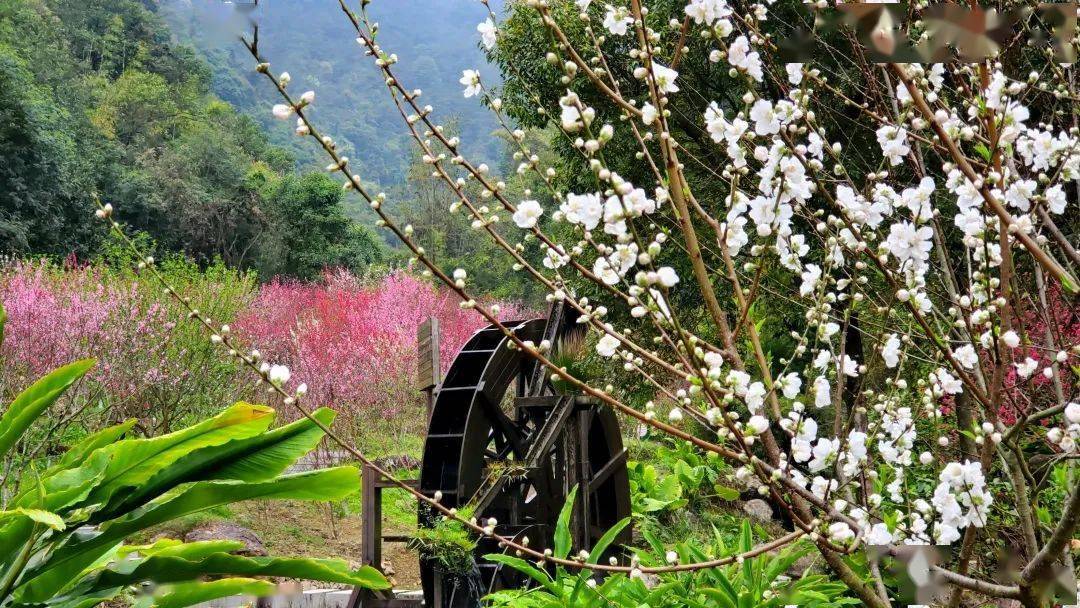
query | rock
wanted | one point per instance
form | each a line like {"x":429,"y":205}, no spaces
{"x":758,"y":509}
{"x":651,"y":580}
{"x":801,"y":565}
{"x":223,"y":530}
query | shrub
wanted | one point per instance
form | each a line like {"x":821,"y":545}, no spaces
{"x":152,"y":369}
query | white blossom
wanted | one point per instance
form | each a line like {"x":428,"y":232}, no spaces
{"x":471,"y":80}
{"x":893,"y":142}
{"x":607,"y":346}
{"x":487,"y":31}
{"x":528,"y":212}
{"x":665,"y":78}
{"x":617,"y":20}
{"x":278,"y":375}
{"x":742,"y":56}
{"x":707,"y":11}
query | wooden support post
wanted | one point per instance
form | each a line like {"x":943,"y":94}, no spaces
{"x":371,"y":539}
{"x":372,"y":485}
{"x":584,"y":475}
{"x":428,"y":359}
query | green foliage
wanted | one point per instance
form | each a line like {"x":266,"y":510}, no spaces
{"x":122,"y":487}
{"x":652,"y":493}
{"x":448,"y":543}
{"x":312,"y":231}
{"x":677,"y":475}
{"x":761,"y":581}
{"x":95,"y":97}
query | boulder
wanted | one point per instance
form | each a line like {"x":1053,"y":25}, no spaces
{"x":223,"y":530}
{"x":758,"y":509}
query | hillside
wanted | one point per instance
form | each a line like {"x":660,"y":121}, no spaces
{"x":98,"y":101}
{"x":312,"y":40}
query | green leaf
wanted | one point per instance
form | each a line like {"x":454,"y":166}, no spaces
{"x":162,"y":568}
{"x":726,"y":493}
{"x":134,"y":462}
{"x":983,"y":151}
{"x":781,"y":563}
{"x":605,"y":541}
{"x":176,"y":548}
{"x":26,"y":408}
{"x":40,"y":516}
{"x":70,"y":486}
{"x":525,"y":568}
{"x":562,"y":526}
{"x":89,"y":600}
{"x":726,"y":585}
{"x":257,"y":458}
{"x":84,"y":547}
{"x":718,"y":596}
{"x":89,"y":444}
{"x":3,"y":322}
{"x":189,"y":594}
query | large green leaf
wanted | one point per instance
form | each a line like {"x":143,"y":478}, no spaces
{"x":525,"y":568}
{"x":189,"y":594}
{"x":40,"y":516}
{"x":257,"y":458}
{"x":605,"y":541}
{"x":82,"y":600}
{"x":177,"y":548}
{"x":26,"y":408}
{"x":562,"y":526}
{"x":82,"y":450}
{"x":133,"y":462}
{"x":84,"y":547}
{"x":172,"y":569}
{"x":70,"y":486}
{"x":54,"y":494}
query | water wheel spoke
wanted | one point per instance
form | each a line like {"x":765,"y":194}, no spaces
{"x":617,"y":462}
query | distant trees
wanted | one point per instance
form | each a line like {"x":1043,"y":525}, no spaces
{"x":95,"y":98}
{"x":311,"y":231}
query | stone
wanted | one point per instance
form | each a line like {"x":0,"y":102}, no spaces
{"x":758,"y":509}
{"x":651,"y":580}
{"x":223,"y":530}
{"x":802,"y":564}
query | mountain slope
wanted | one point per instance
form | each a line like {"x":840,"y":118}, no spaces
{"x":312,"y":40}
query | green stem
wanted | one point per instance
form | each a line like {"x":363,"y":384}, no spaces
{"x":16,"y":569}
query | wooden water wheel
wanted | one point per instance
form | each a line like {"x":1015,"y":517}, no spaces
{"x":503,"y":443}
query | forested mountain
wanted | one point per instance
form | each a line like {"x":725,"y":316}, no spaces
{"x":314,"y":42}
{"x":97,"y":97}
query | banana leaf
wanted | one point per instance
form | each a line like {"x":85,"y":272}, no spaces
{"x":133,"y":462}
{"x":84,"y":547}
{"x":258,"y":458}
{"x":30,"y":404}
